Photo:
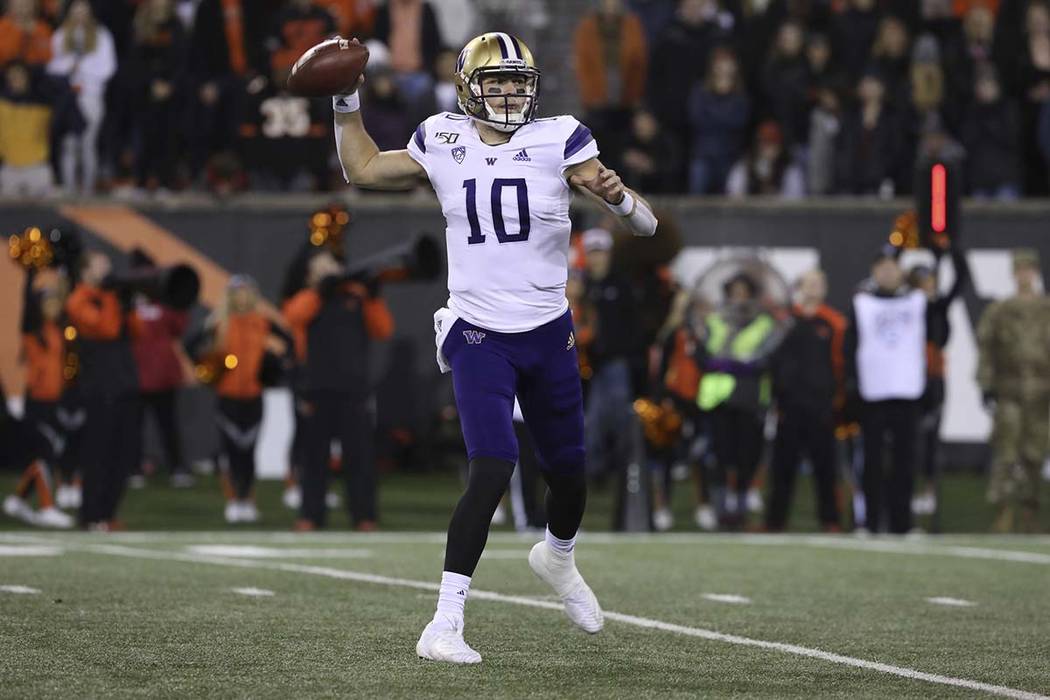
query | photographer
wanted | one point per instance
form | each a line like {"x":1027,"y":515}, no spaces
{"x":337,"y":317}
{"x":109,"y":387}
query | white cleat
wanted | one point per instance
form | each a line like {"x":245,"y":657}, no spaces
{"x":559,"y":571}
{"x":232,"y":512}
{"x":248,"y":512}
{"x":705,"y":518}
{"x":444,"y":642}
{"x":53,"y":517}
{"x":292,"y":498}
{"x":19,"y":509}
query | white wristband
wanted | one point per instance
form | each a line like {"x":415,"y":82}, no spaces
{"x":344,"y":104}
{"x":624,"y":207}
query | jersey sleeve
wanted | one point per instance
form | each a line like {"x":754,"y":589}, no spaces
{"x":417,"y":145}
{"x":579,"y":146}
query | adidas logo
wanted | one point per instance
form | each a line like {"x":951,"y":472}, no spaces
{"x":461,"y":592}
{"x":572,"y":341}
{"x":522,"y":157}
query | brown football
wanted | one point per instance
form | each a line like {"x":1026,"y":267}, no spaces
{"x":330,"y":68}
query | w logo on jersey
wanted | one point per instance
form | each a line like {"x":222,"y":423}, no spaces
{"x":459,"y":153}
{"x":473,"y":337}
{"x":522,"y":157}
{"x":490,"y":161}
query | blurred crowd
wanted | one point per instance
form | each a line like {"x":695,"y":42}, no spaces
{"x":741,"y":97}
{"x":818,"y":97}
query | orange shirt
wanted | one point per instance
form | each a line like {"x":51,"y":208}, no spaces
{"x":32,"y":47}
{"x":246,"y":336}
{"x":44,"y":362}
{"x":95,"y":312}
{"x":301,"y":309}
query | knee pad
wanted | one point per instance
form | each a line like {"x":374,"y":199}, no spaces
{"x":489,"y":475}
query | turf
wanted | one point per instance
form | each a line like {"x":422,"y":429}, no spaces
{"x":110,"y":625}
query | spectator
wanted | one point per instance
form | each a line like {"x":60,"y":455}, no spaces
{"x":158,"y":74}
{"x":23,"y":36}
{"x":785,"y":84}
{"x":83,"y":52}
{"x":25,"y":141}
{"x":301,"y":25}
{"x":978,"y":37}
{"x":991,"y":136}
{"x":1034,"y":79}
{"x":808,"y":372}
{"x":651,"y":156}
{"x":285,"y":140}
{"x":938,"y":332}
{"x":719,"y":111}
{"x":655,"y":16}
{"x":1013,"y":372}
{"x":825,"y":124}
{"x":819,"y":68}
{"x":410,"y":29}
{"x":737,"y":342}
{"x":611,"y":61}
{"x":767,"y":168}
{"x":886,"y":376}
{"x":227,"y":47}
{"x":610,"y":300}
{"x":156,"y":329}
{"x":445,"y":98}
{"x":1044,"y":136}
{"x":680,"y":57}
{"x":109,"y":387}
{"x":867,"y":152}
{"x":853,"y":33}
{"x":384,"y":111}
{"x":353,"y":18}
{"x":890,"y":56}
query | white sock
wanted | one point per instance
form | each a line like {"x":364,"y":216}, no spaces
{"x":452,"y":598}
{"x":560,"y":546}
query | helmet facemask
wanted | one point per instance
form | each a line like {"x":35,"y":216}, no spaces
{"x":496,"y":109}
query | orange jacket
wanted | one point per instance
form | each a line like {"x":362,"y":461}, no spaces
{"x":246,"y":336}
{"x":32,"y":47}
{"x":44,"y":362}
{"x":683,"y":373}
{"x":591,"y":70}
{"x":95,"y":312}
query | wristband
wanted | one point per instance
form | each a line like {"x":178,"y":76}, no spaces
{"x":625,"y":207}
{"x":345,"y":104}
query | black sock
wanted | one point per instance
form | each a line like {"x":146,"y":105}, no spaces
{"x":469,"y":528}
{"x":566,"y":500}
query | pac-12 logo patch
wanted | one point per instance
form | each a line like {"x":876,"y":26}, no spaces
{"x":459,"y":153}
{"x":473,"y":337}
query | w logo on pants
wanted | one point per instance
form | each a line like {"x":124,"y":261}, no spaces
{"x":473,"y":337}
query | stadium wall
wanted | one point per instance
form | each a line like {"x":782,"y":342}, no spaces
{"x":260,"y":235}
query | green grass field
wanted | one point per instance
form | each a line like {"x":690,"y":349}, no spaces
{"x":155,"y":614}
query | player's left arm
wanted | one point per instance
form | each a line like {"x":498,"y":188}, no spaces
{"x":593,"y":180}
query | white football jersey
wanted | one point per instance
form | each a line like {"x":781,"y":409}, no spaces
{"x":506,"y":209}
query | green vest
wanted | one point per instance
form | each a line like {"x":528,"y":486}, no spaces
{"x":716,"y":387}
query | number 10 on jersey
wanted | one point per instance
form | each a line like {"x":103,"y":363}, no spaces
{"x":498,"y":185}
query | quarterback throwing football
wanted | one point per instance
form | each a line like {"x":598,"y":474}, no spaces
{"x":505,"y":181}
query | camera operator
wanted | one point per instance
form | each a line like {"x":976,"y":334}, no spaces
{"x":109,"y":387}
{"x":338,"y":317}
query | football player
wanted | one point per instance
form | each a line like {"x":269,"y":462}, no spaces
{"x":505,"y":180}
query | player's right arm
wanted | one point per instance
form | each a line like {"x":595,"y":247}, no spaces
{"x":364,"y":165}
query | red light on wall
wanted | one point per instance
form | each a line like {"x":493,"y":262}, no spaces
{"x":938,"y":198}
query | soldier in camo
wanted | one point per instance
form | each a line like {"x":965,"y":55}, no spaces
{"x":1014,"y":374}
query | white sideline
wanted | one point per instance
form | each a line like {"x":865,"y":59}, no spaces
{"x":643,"y":622}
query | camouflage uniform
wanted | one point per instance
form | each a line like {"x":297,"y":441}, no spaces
{"x":1014,"y":369}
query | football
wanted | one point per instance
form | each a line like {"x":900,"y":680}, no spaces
{"x":330,"y":68}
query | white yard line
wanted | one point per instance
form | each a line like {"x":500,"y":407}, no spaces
{"x":636,"y":621}
{"x":254,"y":552}
{"x":254,"y":592}
{"x":23,"y":590}
{"x":29,"y":550}
{"x":951,"y":602}
{"x":727,"y":598}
